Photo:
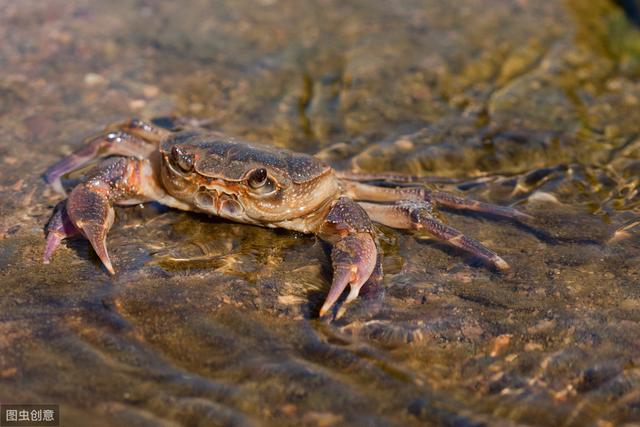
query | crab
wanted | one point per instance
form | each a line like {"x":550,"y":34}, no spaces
{"x":203,"y":171}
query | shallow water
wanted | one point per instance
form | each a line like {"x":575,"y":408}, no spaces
{"x":535,"y":104}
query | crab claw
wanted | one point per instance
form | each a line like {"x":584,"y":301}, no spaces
{"x":87,"y":211}
{"x":354,"y":259}
{"x":91,"y":212}
{"x":59,"y":227}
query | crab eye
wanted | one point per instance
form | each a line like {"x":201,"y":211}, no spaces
{"x":260,"y":182}
{"x":181,"y":159}
{"x":258,"y":178}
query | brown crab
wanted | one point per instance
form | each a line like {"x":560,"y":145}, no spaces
{"x":255,"y":184}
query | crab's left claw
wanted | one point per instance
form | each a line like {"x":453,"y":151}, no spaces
{"x":354,"y":259}
{"x":354,"y":255}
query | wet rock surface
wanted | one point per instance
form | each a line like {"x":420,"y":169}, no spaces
{"x":535,"y":104}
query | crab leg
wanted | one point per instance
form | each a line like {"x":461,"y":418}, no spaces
{"x":392,"y":177}
{"x":372,"y":193}
{"x":354,"y":255}
{"x":89,"y":208}
{"x":147,"y":131}
{"x":132,"y":138}
{"x":452,"y":201}
{"x":419,"y":216}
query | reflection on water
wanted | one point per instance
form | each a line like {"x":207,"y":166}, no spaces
{"x":207,"y":322}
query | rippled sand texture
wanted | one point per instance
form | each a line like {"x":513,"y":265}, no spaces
{"x":207,"y":322}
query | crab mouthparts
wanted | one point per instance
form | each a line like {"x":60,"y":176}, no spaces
{"x":215,"y":201}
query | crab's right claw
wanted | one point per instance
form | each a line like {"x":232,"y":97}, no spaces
{"x":89,"y":208}
{"x":91,"y":212}
{"x":58,"y":228}
{"x":87,"y":211}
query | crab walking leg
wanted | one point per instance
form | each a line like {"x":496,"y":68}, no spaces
{"x":131,"y":138}
{"x":372,"y":193}
{"x":354,"y":254}
{"x":392,"y":177}
{"x":89,"y":208}
{"x":452,"y":201}
{"x":419,"y":216}
{"x":119,"y":143}
{"x":142,"y":129}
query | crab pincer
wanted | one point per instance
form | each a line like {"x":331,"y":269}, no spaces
{"x":89,"y":208}
{"x":58,"y":228}
{"x":354,"y":255}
